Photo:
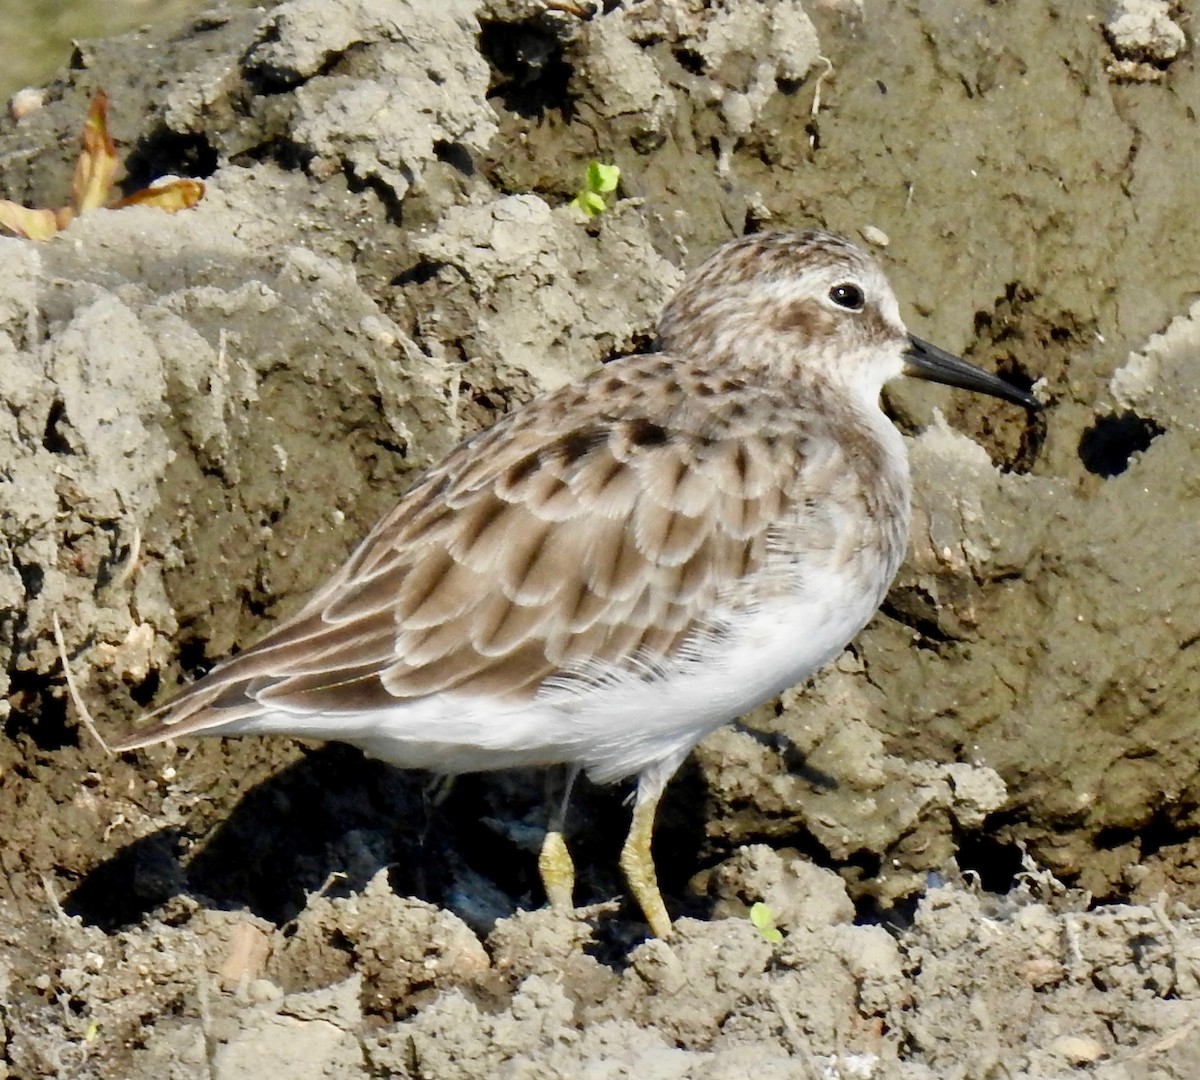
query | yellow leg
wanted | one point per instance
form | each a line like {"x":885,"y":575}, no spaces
{"x":637,"y":863}
{"x":554,"y":860}
{"x":557,"y":870}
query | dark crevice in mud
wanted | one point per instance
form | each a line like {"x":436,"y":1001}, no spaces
{"x":193,"y":657}
{"x":392,"y":447}
{"x":267,"y":80}
{"x":53,"y":438}
{"x":207,"y":21}
{"x":755,"y":220}
{"x":1033,"y":435}
{"x":1024,"y":342}
{"x":895,"y":918}
{"x":530,"y":75}
{"x":259,"y":602}
{"x":342,"y":62}
{"x":1108,"y":445}
{"x":33,"y":577}
{"x":418,"y":274}
{"x":456,"y":156}
{"x":795,"y":840}
{"x":1143,"y":54}
{"x":689,"y":59}
{"x":995,"y":862}
{"x":392,"y":202}
{"x":113,"y":562}
{"x":917,"y":610}
{"x":167,"y":153}
{"x":288,"y":155}
{"x":1012,"y":371}
{"x":38,"y":711}
{"x":1153,"y":841}
{"x":859,"y":870}
{"x":35,"y":709}
{"x":144,"y":692}
{"x":989,"y":865}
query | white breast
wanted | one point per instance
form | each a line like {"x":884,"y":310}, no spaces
{"x":626,"y":726}
{"x":620,"y":722}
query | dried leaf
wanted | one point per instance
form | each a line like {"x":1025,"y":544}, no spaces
{"x":97,"y":164}
{"x":170,"y":195}
{"x":30,"y":224}
{"x":94,"y":171}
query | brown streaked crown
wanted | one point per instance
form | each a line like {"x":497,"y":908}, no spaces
{"x":764,"y":304}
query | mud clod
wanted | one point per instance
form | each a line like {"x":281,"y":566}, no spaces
{"x":975,"y":833}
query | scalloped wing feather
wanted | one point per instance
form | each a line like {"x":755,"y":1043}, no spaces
{"x":563,"y":538}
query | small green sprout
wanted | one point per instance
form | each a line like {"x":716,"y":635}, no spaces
{"x":598,"y":180}
{"x":763,"y":919}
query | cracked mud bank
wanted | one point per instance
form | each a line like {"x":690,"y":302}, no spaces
{"x":977,"y":831}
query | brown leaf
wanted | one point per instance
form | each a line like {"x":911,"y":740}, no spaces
{"x":90,"y":189}
{"x":31,"y":224}
{"x":171,"y":195}
{"x":97,"y":164}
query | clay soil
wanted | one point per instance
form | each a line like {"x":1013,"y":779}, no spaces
{"x":977,"y":832}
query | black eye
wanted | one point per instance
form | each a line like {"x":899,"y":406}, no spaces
{"x":848,"y":296}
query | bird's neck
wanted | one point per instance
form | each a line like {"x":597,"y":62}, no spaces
{"x":869,"y":455}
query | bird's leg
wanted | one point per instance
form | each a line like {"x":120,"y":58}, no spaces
{"x":554,"y":860}
{"x":435,"y":791}
{"x":637,"y":861}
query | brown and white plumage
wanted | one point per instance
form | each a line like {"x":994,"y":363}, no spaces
{"x":612,"y":571}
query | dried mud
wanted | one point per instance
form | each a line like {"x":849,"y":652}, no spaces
{"x":977,"y":832}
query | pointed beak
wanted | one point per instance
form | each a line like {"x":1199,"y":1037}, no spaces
{"x":925,"y":361}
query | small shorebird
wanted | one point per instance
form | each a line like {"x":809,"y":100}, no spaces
{"x":616,"y":569}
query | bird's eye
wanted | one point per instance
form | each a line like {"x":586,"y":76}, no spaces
{"x":848,"y":296}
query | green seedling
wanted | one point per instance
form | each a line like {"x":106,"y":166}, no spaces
{"x":763,"y":919}
{"x":599,"y":180}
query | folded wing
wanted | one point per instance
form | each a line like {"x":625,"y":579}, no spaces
{"x":537,"y":548}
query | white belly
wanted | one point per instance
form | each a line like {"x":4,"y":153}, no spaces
{"x":615,"y":723}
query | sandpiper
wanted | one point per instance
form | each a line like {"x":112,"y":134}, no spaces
{"x":614,"y":570}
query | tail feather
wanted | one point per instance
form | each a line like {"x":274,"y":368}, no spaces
{"x":195,"y":710}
